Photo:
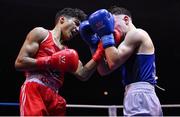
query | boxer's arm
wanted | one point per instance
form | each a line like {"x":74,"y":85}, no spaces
{"x":117,"y":56}
{"x":103,"y":68}
{"x":25,"y":59}
{"x":83,"y":73}
{"x":86,"y":71}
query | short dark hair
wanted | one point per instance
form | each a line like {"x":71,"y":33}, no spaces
{"x":71,"y":12}
{"x":119,"y":10}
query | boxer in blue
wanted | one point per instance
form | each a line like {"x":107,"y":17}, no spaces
{"x":135,"y":55}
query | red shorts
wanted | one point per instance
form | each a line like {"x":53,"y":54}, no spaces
{"x":37,"y":99}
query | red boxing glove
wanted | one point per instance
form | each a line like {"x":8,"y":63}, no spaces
{"x":117,"y":37}
{"x":65,"y":60}
{"x":100,"y":50}
{"x":99,"y":53}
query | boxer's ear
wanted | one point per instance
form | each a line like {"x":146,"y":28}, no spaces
{"x":126,"y":19}
{"x":61,"y":19}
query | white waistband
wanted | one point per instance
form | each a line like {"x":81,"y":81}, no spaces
{"x":139,"y":85}
{"x":34,"y":80}
{"x":49,"y":82}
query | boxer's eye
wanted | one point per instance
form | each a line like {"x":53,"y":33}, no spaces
{"x":77,"y":22}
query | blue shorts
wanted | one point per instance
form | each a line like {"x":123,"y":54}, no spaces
{"x":140,"y":99}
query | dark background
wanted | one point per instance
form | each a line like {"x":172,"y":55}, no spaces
{"x":160,"y":18}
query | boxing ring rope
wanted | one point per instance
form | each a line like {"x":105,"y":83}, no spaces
{"x":91,"y":106}
{"x":116,"y":106}
{"x":112,"y":109}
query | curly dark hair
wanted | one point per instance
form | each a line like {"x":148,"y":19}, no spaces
{"x":119,"y":10}
{"x":71,"y":12}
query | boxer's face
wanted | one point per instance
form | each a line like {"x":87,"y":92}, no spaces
{"x":121,"y":23}
{"x":70,"y":28}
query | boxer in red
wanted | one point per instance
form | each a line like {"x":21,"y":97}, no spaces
{"x":45,"y":59}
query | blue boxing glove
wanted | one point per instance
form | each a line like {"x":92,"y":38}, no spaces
{"x":102,"y":23}
{"x":88,"y":35}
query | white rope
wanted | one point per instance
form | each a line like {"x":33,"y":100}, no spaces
{"x":115,"y":106}
{"x":93,"y":106}
{"x":171,"y":105}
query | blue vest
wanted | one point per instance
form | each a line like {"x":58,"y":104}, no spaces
{"x":139,"y":68}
